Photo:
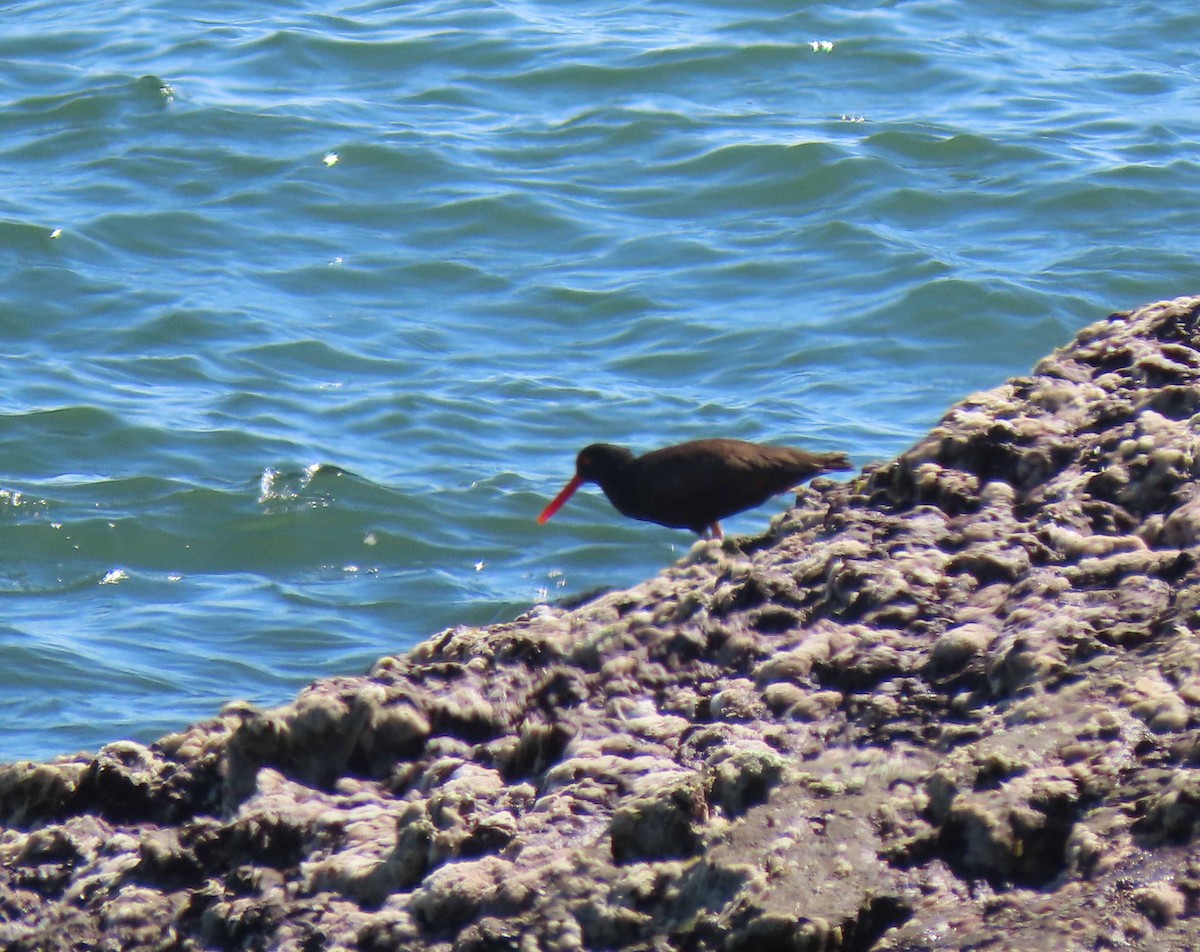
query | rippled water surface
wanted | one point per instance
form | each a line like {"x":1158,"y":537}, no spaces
{"x":306,"y":308}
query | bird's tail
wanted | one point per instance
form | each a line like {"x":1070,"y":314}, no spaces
{"x":832,"y":462}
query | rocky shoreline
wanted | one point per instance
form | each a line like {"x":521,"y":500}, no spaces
{"x":953,"y":703}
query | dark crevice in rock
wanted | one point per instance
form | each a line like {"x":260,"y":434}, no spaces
{"x":879,"y":915}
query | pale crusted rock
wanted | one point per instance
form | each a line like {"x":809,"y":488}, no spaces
{"x":1181,"y":530}
{"x":959,"y":646}
{"x":1154,"y":701}
{"x":949,"y":704}
{"x":454,"y":894}
{"x":661,"y":824}
{"x":29,"y":789}
{"x":743,"y":778}
{"x":1162,"y":903}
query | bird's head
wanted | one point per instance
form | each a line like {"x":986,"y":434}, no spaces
{"x":597,"y":462}
{"x":594,"y":464}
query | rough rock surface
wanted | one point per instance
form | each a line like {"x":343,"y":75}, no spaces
{"x":953,"y":703}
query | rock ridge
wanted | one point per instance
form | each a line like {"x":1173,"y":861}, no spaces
{"x":953,"y":703}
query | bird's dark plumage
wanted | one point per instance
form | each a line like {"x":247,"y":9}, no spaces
{"x":693,"y":485}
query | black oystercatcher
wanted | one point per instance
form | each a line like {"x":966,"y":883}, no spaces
{"x":693,"y":485}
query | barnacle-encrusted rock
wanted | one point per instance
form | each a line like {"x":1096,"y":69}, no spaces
{"x":953,"y":703}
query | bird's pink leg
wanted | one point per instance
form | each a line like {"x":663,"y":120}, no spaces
{"x":715,"y":531}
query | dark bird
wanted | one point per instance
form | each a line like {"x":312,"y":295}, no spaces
{"x":693,"y":485}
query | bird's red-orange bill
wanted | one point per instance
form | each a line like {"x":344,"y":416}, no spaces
{"x":560,"y":500}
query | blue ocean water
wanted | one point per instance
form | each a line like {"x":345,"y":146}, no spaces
{"x":306,"y":308}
